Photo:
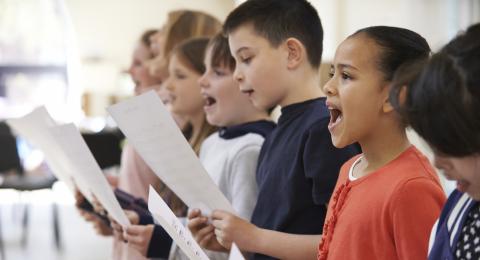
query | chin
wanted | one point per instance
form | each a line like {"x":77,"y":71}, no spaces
{"x":339,"y":143}
{"x":213,"y":122}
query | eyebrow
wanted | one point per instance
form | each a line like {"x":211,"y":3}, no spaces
{"x":348,"y":66}
{"x":241,"y":49}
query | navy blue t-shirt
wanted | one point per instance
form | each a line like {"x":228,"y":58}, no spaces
{"x":297,"y":171}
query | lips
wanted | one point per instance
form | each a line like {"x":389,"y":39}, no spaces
{"x":248,"y":92}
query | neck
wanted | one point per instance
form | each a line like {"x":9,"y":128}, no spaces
{"x":381,"y":147}
{"x":197,"y":121}
{"x":305,"y":86}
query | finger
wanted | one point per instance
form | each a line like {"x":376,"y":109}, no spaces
{"x":197,"y":223}
{"x":132,"y":216}
{"x":203,"y":232}
{"x":194,"y":213}
{"x":218,"y":224}
{"x":205,"y":241}
{"x":136,"y":240}
{"x":135,"y":230}
{"x":219,"y":214}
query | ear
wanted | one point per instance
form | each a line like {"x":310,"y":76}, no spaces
{"x":296,"y":53}
{"x":387,"y":106}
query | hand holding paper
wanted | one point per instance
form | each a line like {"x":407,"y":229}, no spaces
{"x":69,"y":157}
{"x":167,"y":219}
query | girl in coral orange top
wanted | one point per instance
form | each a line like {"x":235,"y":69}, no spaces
{"x":387,"y":199}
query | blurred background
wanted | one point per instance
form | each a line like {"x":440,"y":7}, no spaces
{"x":73,"y":55}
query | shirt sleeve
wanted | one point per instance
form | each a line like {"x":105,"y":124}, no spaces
{"x":242,"y":180}
{"x":322,"y":161}
{"x":160,"y":243}
{"x":415,"y":207}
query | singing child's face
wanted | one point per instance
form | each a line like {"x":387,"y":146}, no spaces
{"x":139,"y":70}
{"x":464,"y":170}
{"x":259,"y":67}
{"x":185,"y":98}
{"x":225,"y":105}
{"x":356,"y":91}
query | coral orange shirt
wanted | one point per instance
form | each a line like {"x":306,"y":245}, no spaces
{"x":387,"y":214}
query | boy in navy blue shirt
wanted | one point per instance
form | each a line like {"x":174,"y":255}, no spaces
{"x":277,"y":45}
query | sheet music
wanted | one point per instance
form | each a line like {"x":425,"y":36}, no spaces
{"x":167,"y":219}
{"x":235,"y":253}
{"x":150,"y":128}
{"x":87,"y":170}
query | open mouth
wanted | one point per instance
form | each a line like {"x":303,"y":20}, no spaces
{"x":209,"y":101}
{"x":335,"y":116}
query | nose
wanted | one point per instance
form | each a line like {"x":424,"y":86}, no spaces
{"x":203,"y":81}
{"x":238,"y":75}
{"x":329,"y":88}
{"x":169,"y":84}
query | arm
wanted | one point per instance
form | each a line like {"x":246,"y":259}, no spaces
{"x":230,"y":228}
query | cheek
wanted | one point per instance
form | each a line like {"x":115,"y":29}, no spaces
{"x":468,"y":167}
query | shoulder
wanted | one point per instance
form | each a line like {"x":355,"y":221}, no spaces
{"x":211,"y":138}
{"x":419,"y":190}
{"x":245,"y":144}
{"x":413,"y":174}
{"x":412,"y":165}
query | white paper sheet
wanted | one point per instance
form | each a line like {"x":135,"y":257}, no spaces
{"x":69,"y":157}
{"x":150,"y":128}
{"x":34,"y":128}
{"x":87,"y":170}
{"x":167,"y":219}
{"x":235,"y":253}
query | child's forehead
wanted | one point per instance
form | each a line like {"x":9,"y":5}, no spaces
{"x":246,"y":36}
{"x":358,"y":50}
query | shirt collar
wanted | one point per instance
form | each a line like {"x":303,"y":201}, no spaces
{"x":261,"y":127}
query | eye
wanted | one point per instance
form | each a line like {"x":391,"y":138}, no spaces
{"x":331,"y":73}
{"x":218,"y":72}
{"x":246,"y":60}
{"x":346,"y":76}
{"x":180,"y":76}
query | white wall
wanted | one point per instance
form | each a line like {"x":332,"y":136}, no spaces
{"x":107,"y":31}
{"x":436,"y":20}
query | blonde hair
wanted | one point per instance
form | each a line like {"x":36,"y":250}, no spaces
{"x":183,"y":25}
